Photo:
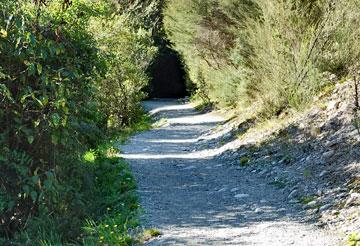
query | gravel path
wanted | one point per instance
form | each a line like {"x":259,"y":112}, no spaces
{"x":194,"y":199}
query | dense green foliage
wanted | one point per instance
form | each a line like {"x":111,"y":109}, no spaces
{"x":71,"y":75}
{"x":269,"y":54}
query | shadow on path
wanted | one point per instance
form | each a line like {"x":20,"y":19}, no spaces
{"x":196,"y":200}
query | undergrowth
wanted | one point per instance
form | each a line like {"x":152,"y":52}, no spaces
{"x":142,"y":124}
{"x":72,"y":75}
{"x":106,"y":207}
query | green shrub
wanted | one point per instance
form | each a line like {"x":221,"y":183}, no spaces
{"x":272,"y":54}
{"x":71,"y":75}
{"x":129,"y":52}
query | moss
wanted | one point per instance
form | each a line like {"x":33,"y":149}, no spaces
{"x":244,"y":161}
{"x":307,"y":199}
{"x":149,"y":234}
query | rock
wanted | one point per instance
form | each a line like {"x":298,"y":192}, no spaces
{"x":310,"y":205}
{"x":335,"y":212}
{"x":263,"y":172}
{"x":293,"y":201}
{"x":333,"y":78}
{"x":234,"y":189}
{"x":332,"y":143}
{"x":341,"y":195}
{"x":320,"y":162}
{"x":333,"y":105}
{"x":315,"y":131}
{"x":258,"y":210}
{"x":328,"y":154}
{"x":325,"y":207}
{"x":239,"y":196}
{"x":355,"y":195}
{"x":323,"y":173}
{"x":189,"y":168}
{"x":349,"y":202}
{"x":293,"y":194}
{"x":313,"y":211}
{"x":320,"y":224}
{"x":354,"y":198}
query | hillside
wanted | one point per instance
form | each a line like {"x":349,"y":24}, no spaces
{"x":312,"y":156}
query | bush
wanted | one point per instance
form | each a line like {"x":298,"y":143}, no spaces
{"x":47,"y":105}
{"x":71,"y":73}
{"x":272,"y":54}
{"x":129,"y":53}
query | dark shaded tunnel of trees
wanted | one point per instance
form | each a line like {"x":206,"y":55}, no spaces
{"x":168,"y":76}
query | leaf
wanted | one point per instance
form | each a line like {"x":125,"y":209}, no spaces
{"x":31,"y":69}
{"x":45,"y":100}
{"x":44,"y":54}
{"x":23,"y":98}
{"x":4,"y":91}
{"x":54,"y":139}
{"x":35,"y":179}
{"x":33,"y":195}
{"x":32,"y":39}
{"x":37,"y":100}
{"x":30,"y":139}
{"x":2,"y":75}
{"x":3,"y":33}
{"x":58,"y":51}
{"x":44,"y":78}
{"x":48,"y":184}
{"x":11,"y":205}
{"x":18,"y":41}
{"x":55,"y":119}
{"x":39,"y":69}
{"x":26,"y":189}
{"x":49,"y":175}
{"x":37,"y":122}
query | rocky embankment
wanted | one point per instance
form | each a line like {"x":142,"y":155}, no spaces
{"x":314,"y":158}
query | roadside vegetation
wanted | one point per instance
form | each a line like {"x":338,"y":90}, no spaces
{"x":71,"y":80}
{"x":261,"y":55}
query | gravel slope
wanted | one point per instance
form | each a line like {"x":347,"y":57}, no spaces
{"x":194,"y":199}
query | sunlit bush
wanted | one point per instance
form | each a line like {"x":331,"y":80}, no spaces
{"x":70,"y":73}
{"x":269,"y":53}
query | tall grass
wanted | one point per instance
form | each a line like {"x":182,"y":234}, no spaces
{"x":270,"y":53}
